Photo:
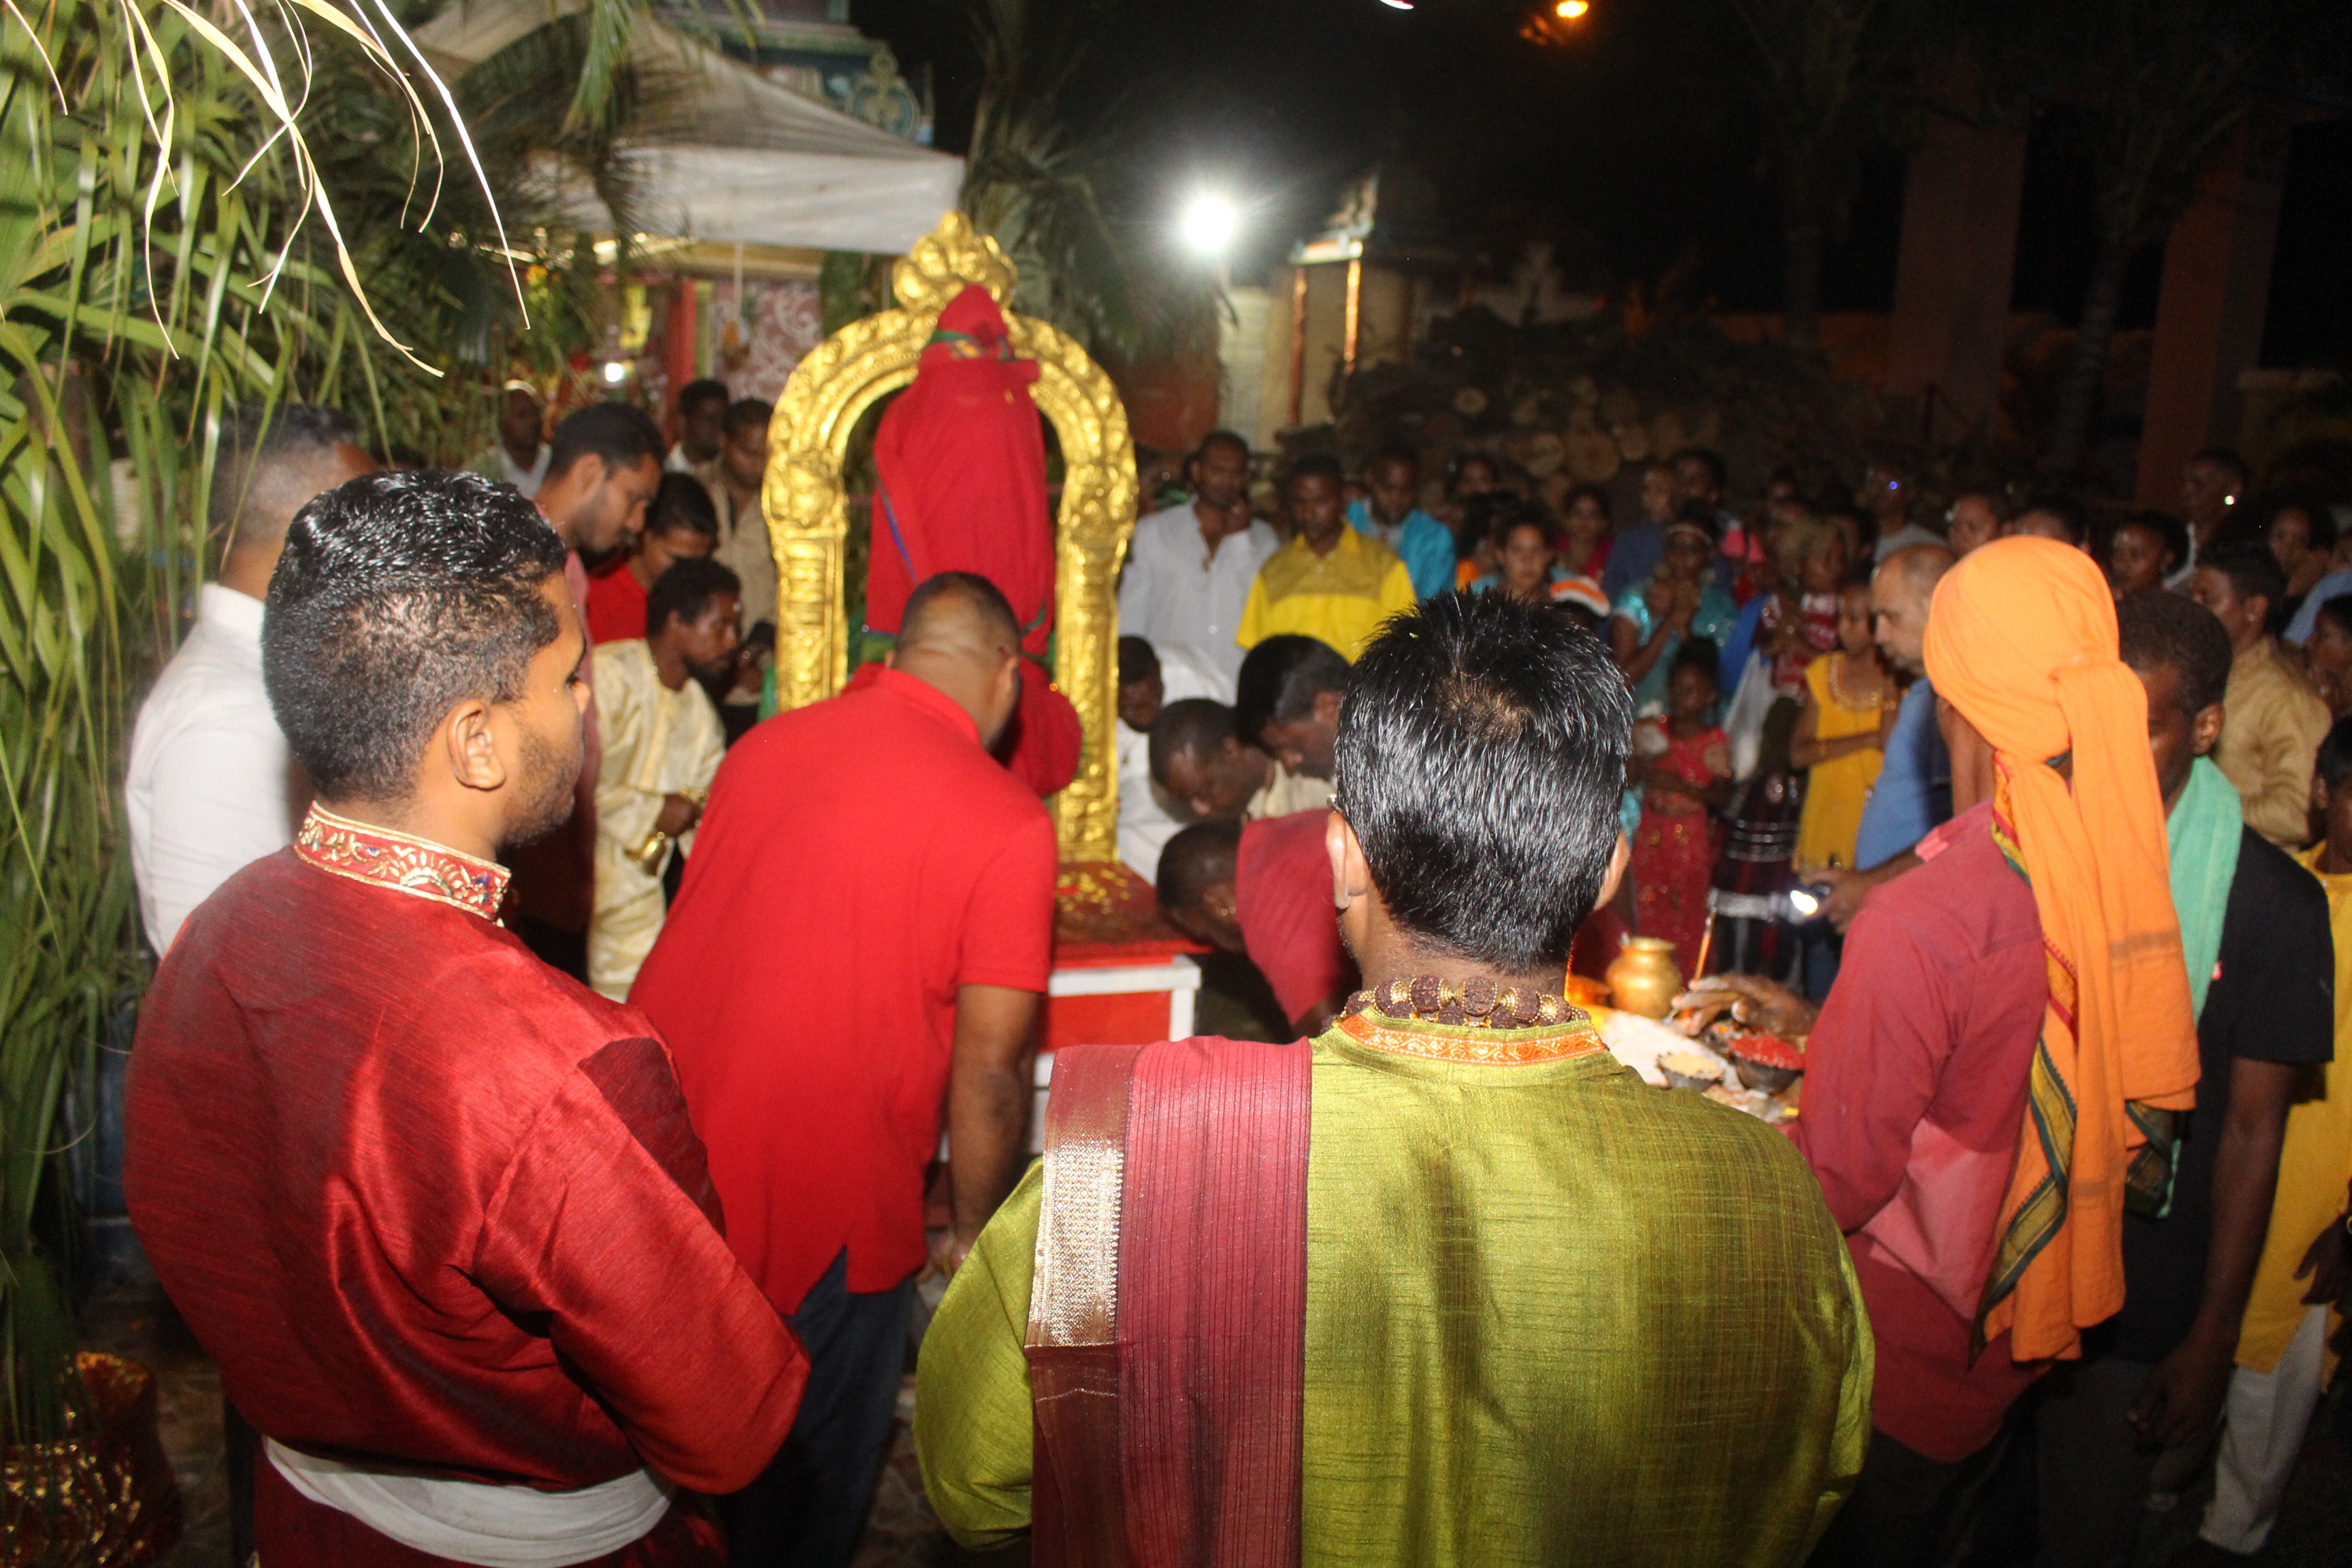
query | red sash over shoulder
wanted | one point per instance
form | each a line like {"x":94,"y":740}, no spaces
{"x":1167,"y":1322}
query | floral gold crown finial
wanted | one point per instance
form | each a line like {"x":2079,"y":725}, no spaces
{"x":945,"y":261}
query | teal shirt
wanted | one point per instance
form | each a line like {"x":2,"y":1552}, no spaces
{"x":1424,"y":544}
{"x":1715,"y":619}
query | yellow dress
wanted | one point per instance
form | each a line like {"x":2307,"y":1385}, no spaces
{"x":1836,"y":790}
{"x":2315,"y":1164}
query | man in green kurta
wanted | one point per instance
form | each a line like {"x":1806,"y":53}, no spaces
{"x":1445,"y":1284}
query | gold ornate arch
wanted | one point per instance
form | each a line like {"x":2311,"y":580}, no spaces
{"x":808,"y":509}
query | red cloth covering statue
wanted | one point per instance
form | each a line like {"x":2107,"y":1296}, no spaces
{"x":961,"y":461}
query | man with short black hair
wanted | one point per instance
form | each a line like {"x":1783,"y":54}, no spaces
{"x":1147,"y":684}
{"x":1331,"y":581}
{"x":1198,"y":758}
{"x":1287,"y":701}
{"x":1262,"y":889}
{"x":1190,"y":567}
{"x":2210,"y":485}
{"x":1391,"y":514}
{"x":855,"y":964}
{"x":1385,"y":1362}
{"x":662,"y":747}
{"x":679,"y":526}
{"x":2259,"y":961}
{"x":603,"y":468}
{"x":209,"y":788}
{"x":701,"y":418}
{"x":2276,"y":721}
{"x":437,"y":1211}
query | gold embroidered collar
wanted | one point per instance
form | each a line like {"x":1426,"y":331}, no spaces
{"x":417,"y":866}
{"x":1500,"y":1047}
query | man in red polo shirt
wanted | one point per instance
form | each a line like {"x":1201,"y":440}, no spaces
{"x":1264,"y":889}
{"x":863,"y":939}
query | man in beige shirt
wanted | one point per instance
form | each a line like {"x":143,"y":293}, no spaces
{"x":1201,"y":768}
{"x":2275,"y":721}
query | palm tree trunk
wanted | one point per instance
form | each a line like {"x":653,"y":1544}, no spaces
{"x":2078,"y":394}
{"x":1803,"y":240}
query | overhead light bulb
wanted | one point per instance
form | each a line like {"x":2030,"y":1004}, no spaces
{"x":1208,"y":224}
{"x":616,"y":371}
{"x":1571,"y":10}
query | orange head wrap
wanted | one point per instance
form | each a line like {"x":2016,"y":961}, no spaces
{"x":2022,"y":641}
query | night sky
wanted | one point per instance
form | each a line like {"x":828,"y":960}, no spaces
{"x":1631,"y":150}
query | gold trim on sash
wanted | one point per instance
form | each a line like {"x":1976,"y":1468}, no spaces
{"x":1075,"y":1298}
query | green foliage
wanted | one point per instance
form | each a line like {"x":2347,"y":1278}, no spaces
{"x":190,"y":203}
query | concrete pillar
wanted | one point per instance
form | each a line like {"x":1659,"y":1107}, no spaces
{"x":1954,"y":270}
{"x":2208,"y":311}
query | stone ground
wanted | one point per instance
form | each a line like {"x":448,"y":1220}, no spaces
{"x":2314,"y":1527}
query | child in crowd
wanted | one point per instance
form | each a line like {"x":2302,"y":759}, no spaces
{"x":1686,"y":774}
{"x":1850,"y":703}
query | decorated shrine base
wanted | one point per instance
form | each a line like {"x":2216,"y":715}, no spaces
{"x":1122,"y":974}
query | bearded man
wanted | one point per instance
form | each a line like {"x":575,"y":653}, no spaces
{"x":435,"y":1210}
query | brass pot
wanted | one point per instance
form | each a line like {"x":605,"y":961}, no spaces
{"x":101,"y":1497}
{"x":1644,"y":980}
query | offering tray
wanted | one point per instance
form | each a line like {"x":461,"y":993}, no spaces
{"x":1639,"y":1042}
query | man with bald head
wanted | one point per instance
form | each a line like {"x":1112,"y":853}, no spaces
{"x":861,"y":945}
{"x":1914,"y":792}
{"x":211,"y":788}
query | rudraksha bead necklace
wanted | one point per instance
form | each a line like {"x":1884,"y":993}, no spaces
{"x":1475,"y":1004}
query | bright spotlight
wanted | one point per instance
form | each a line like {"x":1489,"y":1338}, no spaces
{"x":1571,"y":10}
{"x":616,"y":371}
{"x":1208,"y":224}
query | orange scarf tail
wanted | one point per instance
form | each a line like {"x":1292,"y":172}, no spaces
{"x":2022,"y":640}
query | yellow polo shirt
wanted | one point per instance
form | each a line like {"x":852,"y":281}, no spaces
{"x":1340,"y":598}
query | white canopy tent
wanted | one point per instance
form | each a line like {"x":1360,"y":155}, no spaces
{"x":725,"y":155}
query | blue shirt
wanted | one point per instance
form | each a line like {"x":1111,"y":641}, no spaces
{"x":1633,"y":556}
{"x":2306,"y":619}
{"x":1914,"y":792}
{"x":1424,"y":544}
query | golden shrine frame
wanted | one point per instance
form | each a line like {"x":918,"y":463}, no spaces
{"x":808,"y":509}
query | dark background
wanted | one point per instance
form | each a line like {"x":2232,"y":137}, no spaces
{"x":1633,"y":150}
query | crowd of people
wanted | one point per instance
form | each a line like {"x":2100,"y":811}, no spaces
{"x":559,"y":1076}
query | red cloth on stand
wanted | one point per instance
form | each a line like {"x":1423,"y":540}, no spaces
{"x":861,"y":860}
{"x":960,"y":457}
{"x":430,"y":1205}
{"x":1282,"y":897}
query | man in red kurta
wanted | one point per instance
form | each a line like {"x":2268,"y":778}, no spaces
{"x":960,"y":457}
{"x":861,"y":942}
{"x":437,"y":1211}
{"x":1263,"y":888}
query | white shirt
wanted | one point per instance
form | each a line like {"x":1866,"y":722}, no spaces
{"x":211,"y":788}
{"x":1177,"y":595}
{"x":1144,"y":824}
{"x":527,"y":481}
